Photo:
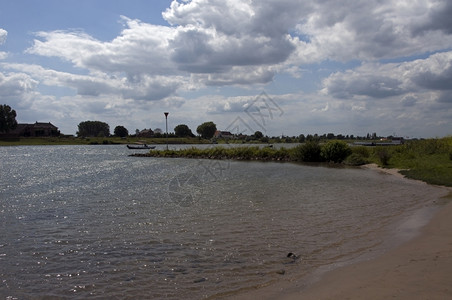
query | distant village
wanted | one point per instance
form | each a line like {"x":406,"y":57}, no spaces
{"x":42,"y":129}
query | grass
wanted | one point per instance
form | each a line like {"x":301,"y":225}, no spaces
{"x":427,"y":160}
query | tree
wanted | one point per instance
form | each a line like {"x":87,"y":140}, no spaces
{"x":121,"y":131}
{"x":207,"y":130}
{"x":301,"y":138}
{"x":7,"y":118}
{"x":182,"y":130}
{"x":258,"y":135}
{"x":93,"y":128}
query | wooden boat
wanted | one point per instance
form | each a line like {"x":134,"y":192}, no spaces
{"x":140,"y":146}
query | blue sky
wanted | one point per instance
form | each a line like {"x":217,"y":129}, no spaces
{"x":281,"y":67}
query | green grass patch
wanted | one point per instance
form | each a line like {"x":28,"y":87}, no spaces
{"x":427,"y":160}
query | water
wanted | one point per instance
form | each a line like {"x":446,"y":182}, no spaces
{"x":91,"y":222}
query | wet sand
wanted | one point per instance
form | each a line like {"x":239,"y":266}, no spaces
{"x":420,"y":268}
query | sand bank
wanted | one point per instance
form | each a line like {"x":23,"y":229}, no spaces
{"x":418,"y":269}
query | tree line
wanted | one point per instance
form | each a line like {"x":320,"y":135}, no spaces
{"x":206,"y":131}
{"x":101,"y":129}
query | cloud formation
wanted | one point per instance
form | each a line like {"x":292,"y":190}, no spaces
{"x":234,"y":42}
{"x":395,"y":53}
{"x":384,"y":80}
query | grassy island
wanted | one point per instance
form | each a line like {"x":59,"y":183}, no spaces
{"x":427,"y":160}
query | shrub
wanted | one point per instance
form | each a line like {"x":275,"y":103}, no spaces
{"x":308,"y":152}
{"x":335,"y":151}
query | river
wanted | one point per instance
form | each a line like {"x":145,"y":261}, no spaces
{"x":90,"y":222}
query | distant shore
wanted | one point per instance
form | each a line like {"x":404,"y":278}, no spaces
{"x":418,"y":269}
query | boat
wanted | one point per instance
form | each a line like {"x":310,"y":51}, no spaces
{"x":140,"y":146}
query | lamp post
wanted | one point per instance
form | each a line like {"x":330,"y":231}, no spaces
{"x":166,"y":121}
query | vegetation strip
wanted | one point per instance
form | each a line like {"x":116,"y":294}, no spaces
{"x":427,"y":160}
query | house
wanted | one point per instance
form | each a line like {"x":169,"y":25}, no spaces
{"x":146,"y":133}
{"x":37,"y":129}
{"x":223,"y":134}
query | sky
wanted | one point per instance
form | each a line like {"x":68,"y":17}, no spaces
{"x":282,"y":67}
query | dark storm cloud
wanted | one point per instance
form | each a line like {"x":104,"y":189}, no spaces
{"x":439,"y":18}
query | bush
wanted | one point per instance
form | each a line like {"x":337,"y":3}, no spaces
{"x":335,"y":151}
{"x":308,"y":152}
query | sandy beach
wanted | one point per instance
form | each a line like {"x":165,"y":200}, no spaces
{"x":420,"y":268}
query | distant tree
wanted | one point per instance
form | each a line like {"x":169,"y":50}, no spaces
{"x":301,"y":138}
{"x":158,"y":133}
{"x":330,"y":136}
{"x":182,"y":130}
{"x":207,"y":130}
{"x":7,"y":118}
{"x":121,"y":131}
{"x":93,"y":128}
{"x":258,"y":135}
{"x":265,"y":139}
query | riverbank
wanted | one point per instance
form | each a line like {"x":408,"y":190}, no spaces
{"x":418,"y":269}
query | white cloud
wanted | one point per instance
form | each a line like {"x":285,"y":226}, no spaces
{"x":15,"y":85}
{"x":370,"y":30}
{"x":143,"y":87}
{"x":3,"y":35}
{"x":386,"y":80}
{"x":140,"y":49}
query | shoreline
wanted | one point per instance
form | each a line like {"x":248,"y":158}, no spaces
{"x":418,"y":268}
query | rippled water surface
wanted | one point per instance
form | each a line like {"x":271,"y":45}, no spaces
{"x":91,"y":222}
